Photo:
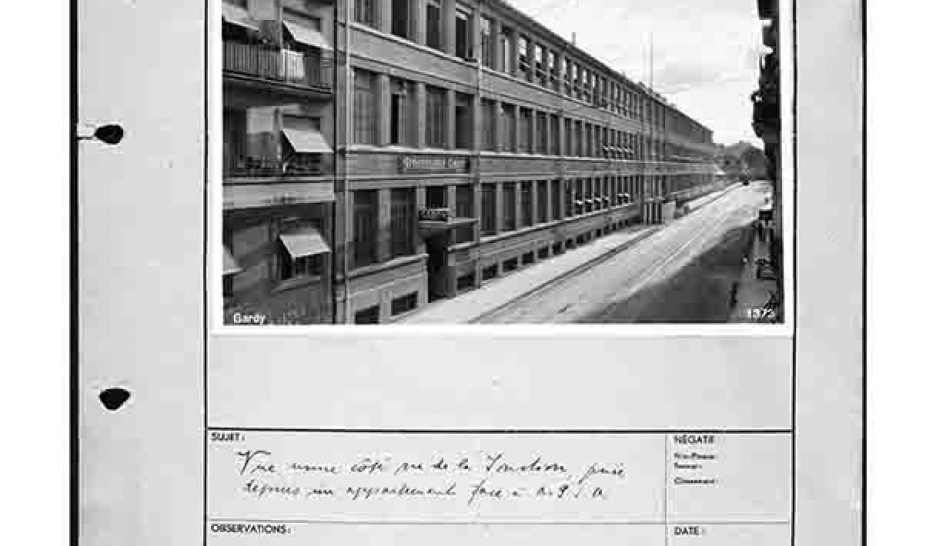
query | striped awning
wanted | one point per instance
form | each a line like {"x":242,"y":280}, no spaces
{"x":306,"y":35}
{"x":304,"y":242}
{"x":304,"y":138}
{"x":230,"y":264}
{"x":237,"y":15}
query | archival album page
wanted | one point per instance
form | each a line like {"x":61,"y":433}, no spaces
{"x":470,"y":272}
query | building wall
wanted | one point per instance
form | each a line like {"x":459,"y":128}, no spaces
{"x":264,"y":193}
{"x":657,"y":151}
{"x":252,"y":236}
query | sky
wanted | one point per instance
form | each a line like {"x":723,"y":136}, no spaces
{"x":705,"y":52}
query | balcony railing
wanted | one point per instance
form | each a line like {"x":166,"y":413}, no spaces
{"x":295,"y":165}
{"x":278,"y":64}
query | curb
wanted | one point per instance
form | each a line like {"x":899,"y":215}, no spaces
{"x":570,"y":273}
{"x":721,"y":194}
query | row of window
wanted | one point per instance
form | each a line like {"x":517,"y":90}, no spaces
{"x":507,"y":50}
{"x":582,"y":196}
{"x":512,"y":264}
{"x":398,"y":306}
{"x":504,"y":127}
{"x":522,"y":204}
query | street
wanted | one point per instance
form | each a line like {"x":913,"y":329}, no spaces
{"x":634,"y":285}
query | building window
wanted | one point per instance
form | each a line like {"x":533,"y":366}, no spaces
{"x":403,"y":304}
{"x":542,"y":202}
{"x":542,"y":133}
{"x":526,"y":204}
{"x":569,"y":199}
{"x":525,"y":136}
{"x":540,"y":63}
{"x":365,"y":12}
{"x":510,"y":206}
{"x":433,"y":25}
{"x":464,"y":128}
{"x":567,"y":76}
{"x":436,"y":197}
{"x":365,"y":227}
{"x":369,"y":315}
{"x":465,"y":282}
{"x":569,"y":148}
{"x":298,"y":267}
{"x":235,"y":140}
{"x":402,"y":221}
{"x":553,"y":68}
{"x":487,"y":42}
{"x":464,"y":208}
{"x":556,"y":189}
{"x":365,"y":107}
{"x":590,"y":194}
{"x":489,"y":273}
{"x":488,"y":209}
{"x":402,"y":113}
{"x":302,"y":161}
{"x":400,"y":18}
{"x":554,"y":148}
{"x":435,"y":117}
{"x":585,"y":82}
{"x":509,"y":265}
{"x":463,"y":33}
{"x":508,"y":117}
{"x":488,"y":124}
{"x":506,"y":50}
{"x":523,"y":54}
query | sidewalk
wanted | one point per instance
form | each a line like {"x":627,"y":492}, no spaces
{"x":752,"y":292}
{"x":701,"y":201}
{"x":472,"y":305}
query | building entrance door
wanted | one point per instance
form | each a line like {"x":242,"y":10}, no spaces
{"x":437,"y":248}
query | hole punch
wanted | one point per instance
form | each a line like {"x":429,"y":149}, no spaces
{"x":114,"y":397}
{"x":110,"y":133}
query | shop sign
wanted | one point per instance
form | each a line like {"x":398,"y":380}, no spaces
{"x":434,"y":164}
{"x":434,"y":215}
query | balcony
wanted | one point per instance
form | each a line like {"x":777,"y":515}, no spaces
{"x":261,"y":66}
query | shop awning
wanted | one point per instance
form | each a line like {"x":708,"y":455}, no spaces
{"x":237,"y":15}
{"x":305,"y":139}
{"x":230,"y":264}
{"x":304,"y":242}
{"x":306,"y":35}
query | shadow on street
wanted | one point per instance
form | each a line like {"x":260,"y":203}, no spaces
{"x":699,"y":293}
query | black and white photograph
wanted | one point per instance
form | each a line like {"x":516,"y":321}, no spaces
{"x":421,"y":162}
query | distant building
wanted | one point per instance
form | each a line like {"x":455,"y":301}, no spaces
{"x":742,"y":160}
{"x":471,"y":142}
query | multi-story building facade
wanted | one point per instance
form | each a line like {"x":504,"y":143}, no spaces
{"x":470,"y":141}
{"x":278,"y":80}
{"x":767,"y":121}
{"x":474,"y":141}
